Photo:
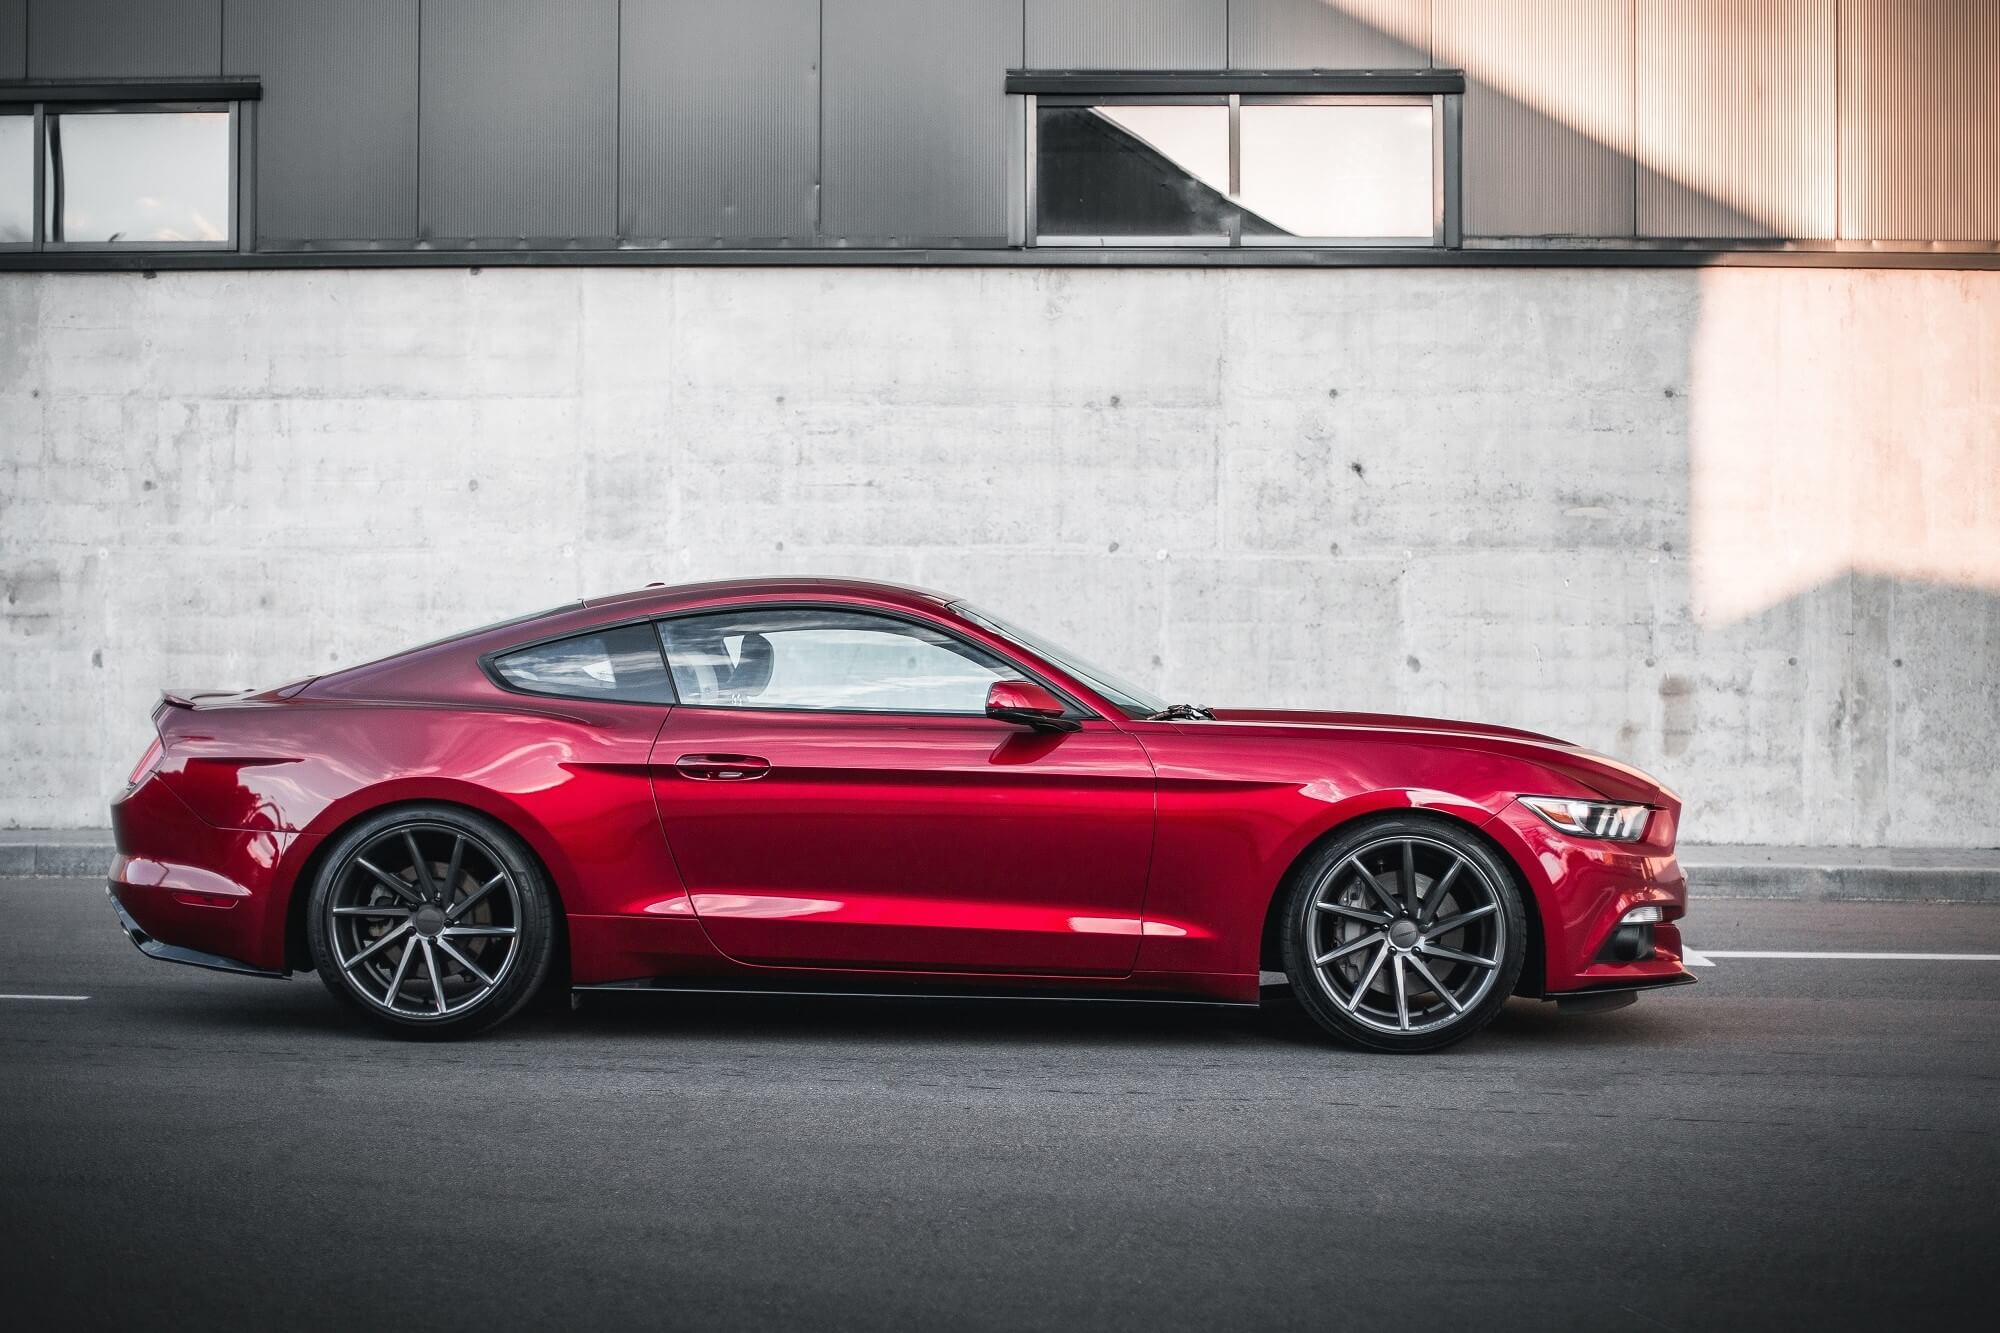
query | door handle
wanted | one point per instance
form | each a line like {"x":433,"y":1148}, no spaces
{"x":722,"y":767}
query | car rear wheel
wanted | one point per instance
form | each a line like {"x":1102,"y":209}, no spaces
{"x":433,"y":921}
{"x":1405,"y":934}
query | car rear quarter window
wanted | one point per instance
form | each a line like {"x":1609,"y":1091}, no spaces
{"x":621,"y":663}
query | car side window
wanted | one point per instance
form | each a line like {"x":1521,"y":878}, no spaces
{"x":827,"y":660}
{"x":619,"y":663}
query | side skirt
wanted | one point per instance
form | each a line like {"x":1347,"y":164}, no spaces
{"x":678,"y":986}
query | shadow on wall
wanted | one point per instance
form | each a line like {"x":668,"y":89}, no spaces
{"x":1844,"y":505}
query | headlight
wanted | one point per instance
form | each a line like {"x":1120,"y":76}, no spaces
{"x":1592,"y":819}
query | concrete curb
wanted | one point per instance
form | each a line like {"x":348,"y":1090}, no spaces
{"x":57,"y":853}
{"x":1789,"y":874}
{"x":1840,"y":883}
{"x":1844,"y":874}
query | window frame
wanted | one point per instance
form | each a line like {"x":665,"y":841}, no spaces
{"x":32,"y":113}
{"x":489,"y":663}
{"x":1073,"y":707}
{"x":1446,"y":136}
{"x":40,"y":110}
{"x":1033,"y":165}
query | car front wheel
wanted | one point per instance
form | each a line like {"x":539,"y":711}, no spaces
{"x":433,"y":921}
{"x":1404,"y":934}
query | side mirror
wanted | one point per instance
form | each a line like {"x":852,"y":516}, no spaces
{"x":1026,"y":704}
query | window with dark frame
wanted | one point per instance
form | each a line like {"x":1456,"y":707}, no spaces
{"x":1303,"y":158}
{"x":118,"y":175}
{"x":1238,"y":171}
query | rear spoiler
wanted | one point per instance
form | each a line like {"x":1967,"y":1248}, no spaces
{"x":198,"y":699}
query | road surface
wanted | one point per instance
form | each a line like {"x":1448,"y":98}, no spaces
{"x":1796,"y":1141}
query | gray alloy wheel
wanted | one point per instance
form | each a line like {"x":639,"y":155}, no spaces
{"x":1405,"y":934}
{"x":432,"y":920}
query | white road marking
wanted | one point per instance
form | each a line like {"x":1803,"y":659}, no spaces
{"x":1702,"y":959}
{"x":44,"y":997}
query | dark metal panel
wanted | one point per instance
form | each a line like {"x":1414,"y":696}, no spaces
{"x":519,"y":120}
{"x":718,"y":120}
{"x":914,"y":119}
{"x":1128,"y":34}
{"x":1735,"y":118}
{"x":13,"y":39}
{"x":1920,"y":120}
{"x":336,"y":138}
{"x":1329,"y":34}
{"x":113,"y":39}
{"x":1548,"y":116}
{"x":1095,"y":83}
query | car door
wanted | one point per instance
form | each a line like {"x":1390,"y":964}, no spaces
{"x":835,"y":796}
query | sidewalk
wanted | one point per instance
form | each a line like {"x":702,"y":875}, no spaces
{"x":1803,"y":874}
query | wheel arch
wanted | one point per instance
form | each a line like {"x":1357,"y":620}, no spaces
{"x":297,"y":953}
{"x":1270,"y":956}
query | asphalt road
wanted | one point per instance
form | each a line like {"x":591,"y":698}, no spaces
{"x":1810,"y":1142}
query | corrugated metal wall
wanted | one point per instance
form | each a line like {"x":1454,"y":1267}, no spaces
{"x":1920,"y":119}
{"x":1735,"y":123}
{"x":335,"y":148}
{"x":718,"y":120}
{"x":13,"y":39}
{"x":1548,"y":114}
{"x":1322,"y":34}
{"x":849,"y":122}
{"x":519,"y":128}
{"x":124,"y":39}
{"x":1127,"y":34}
{"x":913,"y":124}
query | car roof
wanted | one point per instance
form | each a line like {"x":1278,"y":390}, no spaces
{"x":664,"y":597}
{"x":419,"y":667}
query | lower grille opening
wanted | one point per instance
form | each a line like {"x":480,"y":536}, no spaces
{"x":1628,"y":944}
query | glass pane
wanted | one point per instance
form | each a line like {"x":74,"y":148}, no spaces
{"x":622,"y":663}
{"x":17,"y":180}
{"x":1132,"y":171}
{"x":1338,"y":171}
{"x":1134,"y":700}
{"x":826,"y":660}
{"x":139,"y":177}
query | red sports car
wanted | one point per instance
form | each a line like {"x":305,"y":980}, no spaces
{"x":821,"y":785}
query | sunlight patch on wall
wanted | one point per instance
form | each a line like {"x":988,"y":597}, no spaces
{"x":1846,"y":420}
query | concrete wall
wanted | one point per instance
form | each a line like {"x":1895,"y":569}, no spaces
{"x":1741,"y":527}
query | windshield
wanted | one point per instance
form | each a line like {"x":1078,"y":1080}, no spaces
{"x":1134,"y":701}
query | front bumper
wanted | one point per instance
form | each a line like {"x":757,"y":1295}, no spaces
{"x":1626,"y":987}
{"x":1583,"y":888}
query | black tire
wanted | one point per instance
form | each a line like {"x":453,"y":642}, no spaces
{"x":1379,"y":964}
{"x":477,"y":921}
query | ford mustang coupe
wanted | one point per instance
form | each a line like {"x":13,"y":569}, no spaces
{"x":819,"y":785}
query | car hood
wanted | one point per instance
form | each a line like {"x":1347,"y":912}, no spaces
{"x":1600,"y":773}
